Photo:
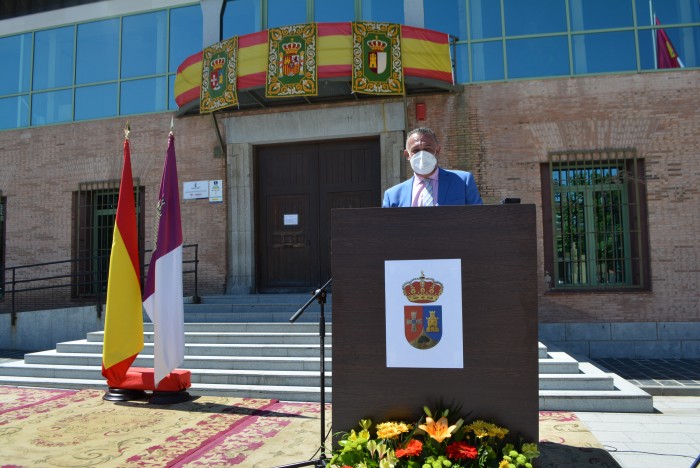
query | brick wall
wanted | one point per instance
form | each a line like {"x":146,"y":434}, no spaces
{"x":501,"y":132}
{"x":43,"y":167}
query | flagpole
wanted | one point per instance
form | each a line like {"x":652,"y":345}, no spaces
{"x":652,"y":18}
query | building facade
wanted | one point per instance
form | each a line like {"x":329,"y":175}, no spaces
{"x":565,"y":104}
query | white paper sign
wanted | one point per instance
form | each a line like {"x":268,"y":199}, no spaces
{"x":424,"y":329}
{"x":291,"y":220}
{"x":197,"y":189}
{"x":216,"y":192}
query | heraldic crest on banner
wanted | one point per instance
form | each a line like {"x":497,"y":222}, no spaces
{"x":376,"y":63}
{"x":422,"y":323}
{"x":291,"y":69}
{"x":219,"y":69}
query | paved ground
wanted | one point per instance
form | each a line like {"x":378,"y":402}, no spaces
{"x":668,"y":438}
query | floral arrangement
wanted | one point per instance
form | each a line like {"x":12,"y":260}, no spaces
{"x":431,"y":443}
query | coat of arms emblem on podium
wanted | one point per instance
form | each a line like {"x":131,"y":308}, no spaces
{"x":423,"y":323}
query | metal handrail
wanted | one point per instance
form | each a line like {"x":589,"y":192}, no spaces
{"x":9,"y":287}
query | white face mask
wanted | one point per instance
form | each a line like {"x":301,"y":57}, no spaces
{"x":423,"y":163}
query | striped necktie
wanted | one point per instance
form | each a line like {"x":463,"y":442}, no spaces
{"x":426,"y":196}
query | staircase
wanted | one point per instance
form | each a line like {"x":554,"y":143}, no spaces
{"x":244,"y":346}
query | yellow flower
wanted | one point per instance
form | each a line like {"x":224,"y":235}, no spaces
{"x":391,"y":430}
{"x":499,"y":432}
{"x":504,"y":464}
{"x":437,"y":430}
{"x":480,"y":428}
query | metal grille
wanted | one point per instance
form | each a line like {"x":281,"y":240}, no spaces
{"x":594,"y":202}
{"x":96,"y":210}
{"x":2,"y":245}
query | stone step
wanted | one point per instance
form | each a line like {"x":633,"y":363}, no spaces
{"x":204,"y":376}
{"x":241,"y":327}
{"x":233,"y":338}
{"x":212,"y":349}
{"x":52,"y":357}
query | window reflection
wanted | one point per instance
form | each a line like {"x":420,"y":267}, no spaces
{"x":144,"y":44}
{"x":16,"y":54}
{"x":485,"y":19}
{"x":334,"y":11}
{"x":97,"y":52}
{"x":142,"y":96}
{"x":185,"y":34}
{"x":546,"y":56}
{"x":52,"y":107}
{"x":605,"y":52}
{"x":534,"y":16}
{"x":95,"y":102}
{"x":53,"y":58}
{"x":587,"y":14}
{"x":448,"y":16}
{"x":285,"y":12}
{"x":14,"y":112}
{"x":241,"y":17}
{"x":487,"y":58}
{"x":388,"y":11}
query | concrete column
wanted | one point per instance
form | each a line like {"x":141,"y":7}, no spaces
{"x":391,"y":145}
{"x":241,"y":274}
{"x":211,"y":21}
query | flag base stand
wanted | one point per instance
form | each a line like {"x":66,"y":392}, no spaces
{"x":169,"y":398}
{"x":124,"y":394}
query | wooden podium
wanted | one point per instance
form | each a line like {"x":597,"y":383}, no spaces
{"x":497,"y":248}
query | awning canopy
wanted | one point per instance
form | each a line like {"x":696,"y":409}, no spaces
{"x":426,"y":57}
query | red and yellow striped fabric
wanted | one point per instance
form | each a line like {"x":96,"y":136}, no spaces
{"x":123,"y":334}
{"x":425,"y":54}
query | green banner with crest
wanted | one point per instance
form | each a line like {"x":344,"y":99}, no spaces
{"x":292,"y":67}
{"x":376,"y":64}
{"x":219,"y":76}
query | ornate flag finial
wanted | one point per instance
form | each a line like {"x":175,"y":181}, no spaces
{"x":127,"y":129}
{"x":172,"y":124}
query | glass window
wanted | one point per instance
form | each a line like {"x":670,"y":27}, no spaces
{"x":387,"y":11}
{"x":285,"y":13}
{"x":95,"y":102}
{"x":142,"y":96}
{"x":53,"y":58}
{"x":185,"y":34}
{"x":14,"y":112}
{"x":334,"y":11}
{"x":171,"y":93}
{"x":52,"y":107}
{"x":668,"y":11}
{"x":604,"y":52}
{"x":487,"y":60}
{"x":595,"y":232}
{"x":241,"y":17}
{"x":485,"y":19}
{"x":144,"y":44}
{"x":461,"y":63}
{"x":600,"y":14}
{"x":534,"y":16}
{"x":544,"y":56}
{"x":15,"y":56}
{"x":685,"y":42}
{"x":98,"y":52}
{"x":448,"y":16}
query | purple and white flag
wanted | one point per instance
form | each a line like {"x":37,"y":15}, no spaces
{"x":163,"y":290}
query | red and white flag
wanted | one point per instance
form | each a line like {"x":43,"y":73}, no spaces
{"x":163,"y":290}
{"x":666,"y":55}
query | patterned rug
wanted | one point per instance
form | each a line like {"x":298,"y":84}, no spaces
{"x":77,"y":428}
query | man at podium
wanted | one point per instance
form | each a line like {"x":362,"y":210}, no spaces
{"x":431,"y":185}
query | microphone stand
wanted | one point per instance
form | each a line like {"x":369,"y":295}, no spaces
{"x":320,"y":296}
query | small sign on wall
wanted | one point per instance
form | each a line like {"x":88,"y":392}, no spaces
{"x":197,"y":189}
{"x":216,"y":192}
{"x":291,"y":219}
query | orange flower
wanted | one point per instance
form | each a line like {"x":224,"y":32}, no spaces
{"x":413,"y":449}
{"x":437,"y":430}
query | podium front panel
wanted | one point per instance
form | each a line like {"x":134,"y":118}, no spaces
{"x":497,"y":248}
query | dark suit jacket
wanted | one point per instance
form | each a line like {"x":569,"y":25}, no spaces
{"x":454,"y":188}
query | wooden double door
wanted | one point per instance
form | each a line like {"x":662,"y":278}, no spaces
{"x":297,"y":187}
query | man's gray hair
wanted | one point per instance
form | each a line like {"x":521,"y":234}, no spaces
{"x":421,"y":131}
